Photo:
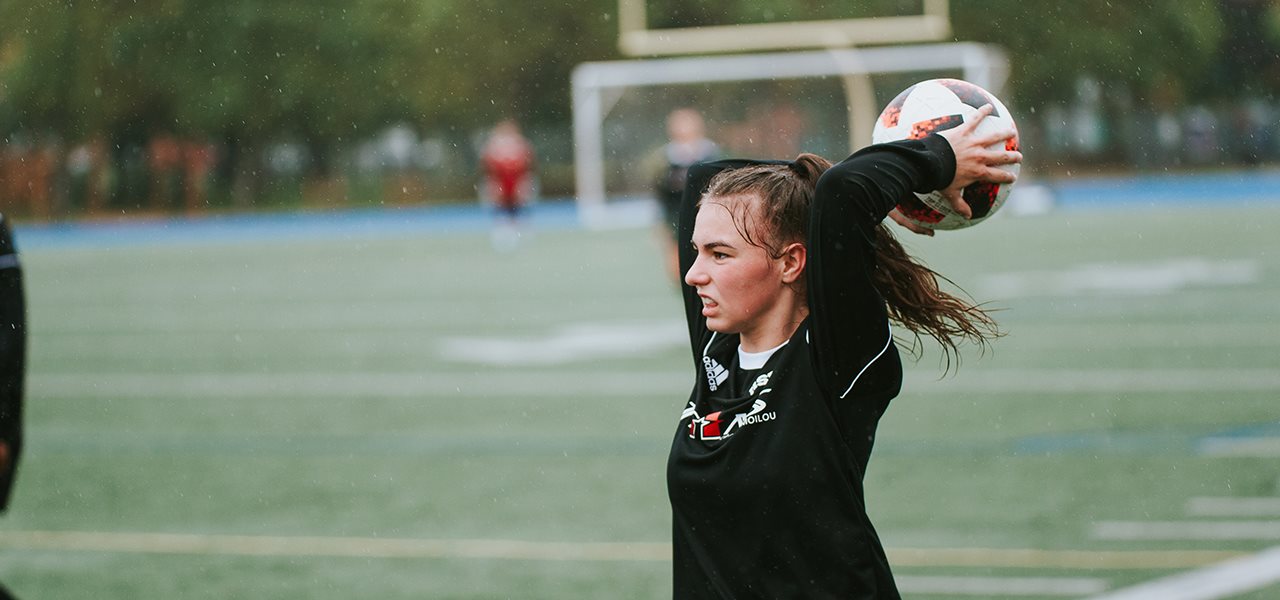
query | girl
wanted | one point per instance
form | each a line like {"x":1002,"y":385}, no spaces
{"x":792,"y":280}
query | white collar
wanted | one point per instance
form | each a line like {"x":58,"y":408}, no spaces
{"x":755,"y":360}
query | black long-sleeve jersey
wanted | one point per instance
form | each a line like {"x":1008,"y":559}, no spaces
{"x":13,"y":353}
{"x":766,"y":467}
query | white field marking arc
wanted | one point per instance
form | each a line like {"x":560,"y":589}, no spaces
{"x":369,"y":547}
{"x":1157,"y":277}
{"x":1222,"y":580}
{"x":1187,"y":530}
{"x":987,"y":587}
{"x":1263,"y":506}
{"x":550,"y":383}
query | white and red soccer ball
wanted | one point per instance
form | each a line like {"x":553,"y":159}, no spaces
{"x":936,"y":105}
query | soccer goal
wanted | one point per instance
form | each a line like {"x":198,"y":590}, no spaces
{"x":761,"y":105}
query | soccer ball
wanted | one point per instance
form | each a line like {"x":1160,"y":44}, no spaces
{"x":936,"y":105}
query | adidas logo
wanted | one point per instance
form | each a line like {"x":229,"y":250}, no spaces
{"x":716,"y":374}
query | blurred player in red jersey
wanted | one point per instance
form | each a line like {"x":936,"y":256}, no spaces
{"x":508,"y":161}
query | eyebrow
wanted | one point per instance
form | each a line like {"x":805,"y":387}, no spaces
{"x":711,"y":244}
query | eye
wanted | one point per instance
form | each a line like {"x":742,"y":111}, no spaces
{"x":719,"y":255}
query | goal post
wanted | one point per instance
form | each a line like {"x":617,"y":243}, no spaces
{"x":932,"y":22}
{"x":597,"y":86}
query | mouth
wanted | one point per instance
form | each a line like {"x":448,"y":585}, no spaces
{"x":708,"y":305}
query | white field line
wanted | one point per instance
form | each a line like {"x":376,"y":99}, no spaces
{"x":1223,"y":580}
{"x":987,"y":587}
{"x":1234,"y":507}
{"x":977,"y":379}
{"x":1057,"y":559}
{"x":482,"y":382}
{"x":1187,"y":530}
{"x":362,"y":547}
{"x":1242,"y":446}
{"x":1145,"y":335}
{"x":573,"y":343}
{"x":380,"y":330}
{"x":593,"y":382}
{"x":366,"y":547}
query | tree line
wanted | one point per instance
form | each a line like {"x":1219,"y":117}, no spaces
{"x":241,"y":73}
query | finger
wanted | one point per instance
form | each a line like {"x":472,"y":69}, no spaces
{"x":955,"y":198}
{"x":995,"y":137}
{"x":903,"y":221}
{"x":1010,"y":158}
{"x":999,"y":176}
{"x":898,"y":218}
{"x":995,"y":158}
{"x":983,"y":112}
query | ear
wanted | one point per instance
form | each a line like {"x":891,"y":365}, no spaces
{"x":793,"y":260}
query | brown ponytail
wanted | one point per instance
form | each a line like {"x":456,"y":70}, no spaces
{"x":910,"y":290}
{"x":916,"y":301}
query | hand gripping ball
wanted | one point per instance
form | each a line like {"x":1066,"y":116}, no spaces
{"x":936,"y":105}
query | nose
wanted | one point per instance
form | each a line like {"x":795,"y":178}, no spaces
{"x":697,"y":275}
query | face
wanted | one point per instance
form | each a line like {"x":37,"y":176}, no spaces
{"x":741,"y":287}
{"x":685,"y":125}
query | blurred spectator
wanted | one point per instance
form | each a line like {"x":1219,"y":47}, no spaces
{"x":28,"y":173}
{"x":89,"y":172}
{"x":687,"y":144}
{"x":198,"y":159}
{"x":1201,"y":138}
{"x":164,"y":159}
{"x":509,"y":180}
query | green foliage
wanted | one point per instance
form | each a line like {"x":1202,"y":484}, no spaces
{"x":242,"y":69}
{"x":329,"y":71}
{"x":322,"y":70}
{"x":493,"y":58}
{"x":1144,"y":47}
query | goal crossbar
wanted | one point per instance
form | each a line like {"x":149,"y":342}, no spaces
{"x":594,"y":83}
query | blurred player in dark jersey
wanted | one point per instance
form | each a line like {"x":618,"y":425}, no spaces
{"x":687,"y":144}
{"x":13,"y":353}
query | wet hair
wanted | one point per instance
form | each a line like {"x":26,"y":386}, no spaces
{"x":771,"y":203}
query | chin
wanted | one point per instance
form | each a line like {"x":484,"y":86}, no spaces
{"x":719,"y":326}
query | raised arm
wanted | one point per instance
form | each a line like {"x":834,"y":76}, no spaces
{"x":850,"y":324}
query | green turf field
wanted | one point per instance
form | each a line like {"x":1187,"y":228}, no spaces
{"x":426,"y":418}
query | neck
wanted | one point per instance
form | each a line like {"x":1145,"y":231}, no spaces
{"x":771,"y":333}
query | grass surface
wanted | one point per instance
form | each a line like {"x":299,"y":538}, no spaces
{"x":379,"y":388}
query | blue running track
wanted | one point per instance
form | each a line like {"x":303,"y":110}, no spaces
{"x":1225,"y":188}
